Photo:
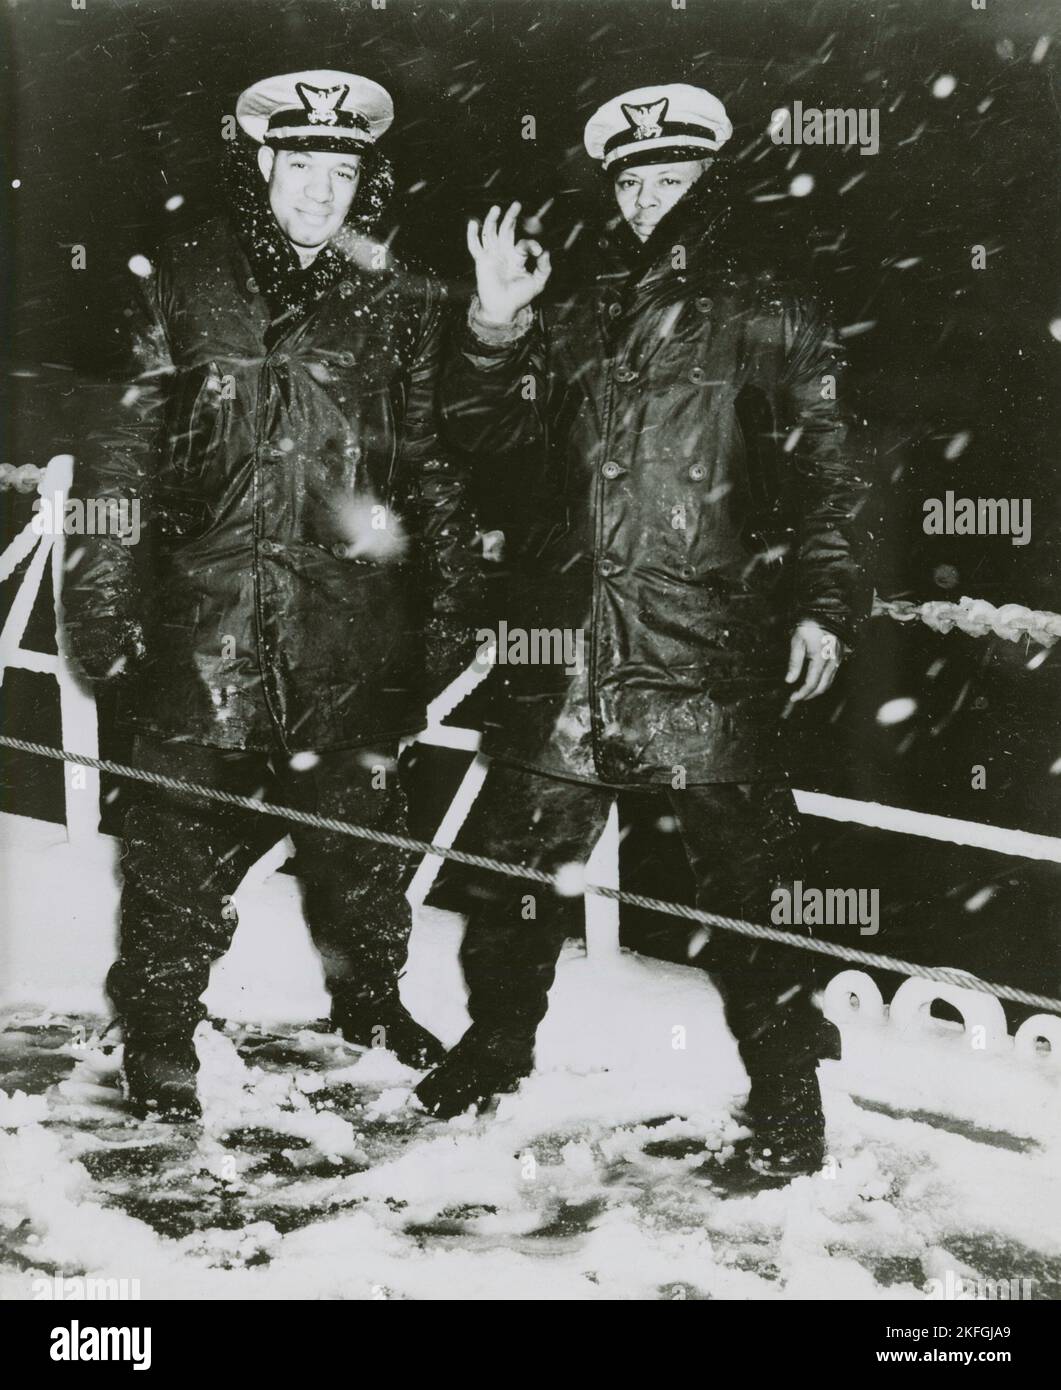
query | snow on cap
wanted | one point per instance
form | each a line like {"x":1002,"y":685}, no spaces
{"x":315,"y":110}
{"x":657,"y":125}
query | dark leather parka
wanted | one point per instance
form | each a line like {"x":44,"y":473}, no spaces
{"x":680,"y":447}
{"x":302,"y":527}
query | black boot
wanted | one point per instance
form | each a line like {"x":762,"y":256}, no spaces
{"x":160,"y":1077}
{"x":486,"y":1062}
{"x":784,"y":1114}
{"x":784,"y":1106}
{"x":387,"y":1023}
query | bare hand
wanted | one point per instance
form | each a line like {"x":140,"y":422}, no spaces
{"x":507,"y":282}
{"x":817,"y":653}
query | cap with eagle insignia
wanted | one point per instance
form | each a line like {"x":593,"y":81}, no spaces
{"x":315,"y":110}
{"x":657,"y":125}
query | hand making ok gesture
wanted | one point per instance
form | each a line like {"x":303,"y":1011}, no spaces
{"x":509,"y":273}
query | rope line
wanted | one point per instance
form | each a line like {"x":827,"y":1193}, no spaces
{"x":976,"y":618}
{"x":944,"y":974}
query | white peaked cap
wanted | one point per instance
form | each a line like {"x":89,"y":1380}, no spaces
{"x":657,"y":125}
{"x":318,"y":109}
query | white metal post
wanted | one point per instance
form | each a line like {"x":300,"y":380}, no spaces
{"x":602,"y":914}
{"x":77,"y":707}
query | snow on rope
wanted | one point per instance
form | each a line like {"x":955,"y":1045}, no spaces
{"x":560,"y":882}
{"x":976,"y":618}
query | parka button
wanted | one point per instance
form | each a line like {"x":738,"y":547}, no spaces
{"x":270,"y":547}
{"x":615,"y":309}
{"x":698,"y":472}
{"x":697,"y":376}
{"x":339,"y":550}
{"x":345,"y":288}
{"x":704,"y":304}
{"x":607,"y":567}
{"x":625,"y":375}
{"x":611,"y":470}
{"x":345,"y":359}
{"x":252,"y":285}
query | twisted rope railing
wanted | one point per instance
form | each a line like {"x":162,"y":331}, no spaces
{"x":944,"y":974}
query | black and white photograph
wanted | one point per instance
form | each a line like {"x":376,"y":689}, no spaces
{"x":530,"y":651}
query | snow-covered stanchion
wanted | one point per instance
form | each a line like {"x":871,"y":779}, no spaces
{"x":976,"y":618}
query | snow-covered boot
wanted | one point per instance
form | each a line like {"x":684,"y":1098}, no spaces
{"x":387,"y":1023}
{"x":787,"y":1140}
{"x":787,"y":1136}
{"x":485,"y":1063}
{"x":160,"y":1077}
{"x":784,"y":1113}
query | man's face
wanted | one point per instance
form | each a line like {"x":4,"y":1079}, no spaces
{"x":647,"y":192}
{"x":310,"y":191}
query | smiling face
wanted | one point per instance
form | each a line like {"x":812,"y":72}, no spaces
{"x":647,"y":192}
{"x":310,"y":191}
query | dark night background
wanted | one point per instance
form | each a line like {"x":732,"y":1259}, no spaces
{"x":115,"y":109}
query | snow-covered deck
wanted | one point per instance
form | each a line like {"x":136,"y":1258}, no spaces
{"x":315,"y":1176}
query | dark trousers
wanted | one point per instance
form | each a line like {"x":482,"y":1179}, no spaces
{"x":741,"y":841}
{"x":184,"y":856}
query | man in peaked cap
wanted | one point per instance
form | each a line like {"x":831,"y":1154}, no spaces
{"x":712,"y":572}
{"x":304,"y":579}
{"x":320,"y":121}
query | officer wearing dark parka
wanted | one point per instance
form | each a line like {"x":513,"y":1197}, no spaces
{"x":680,"y":447}
{"x":304,"y":582}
